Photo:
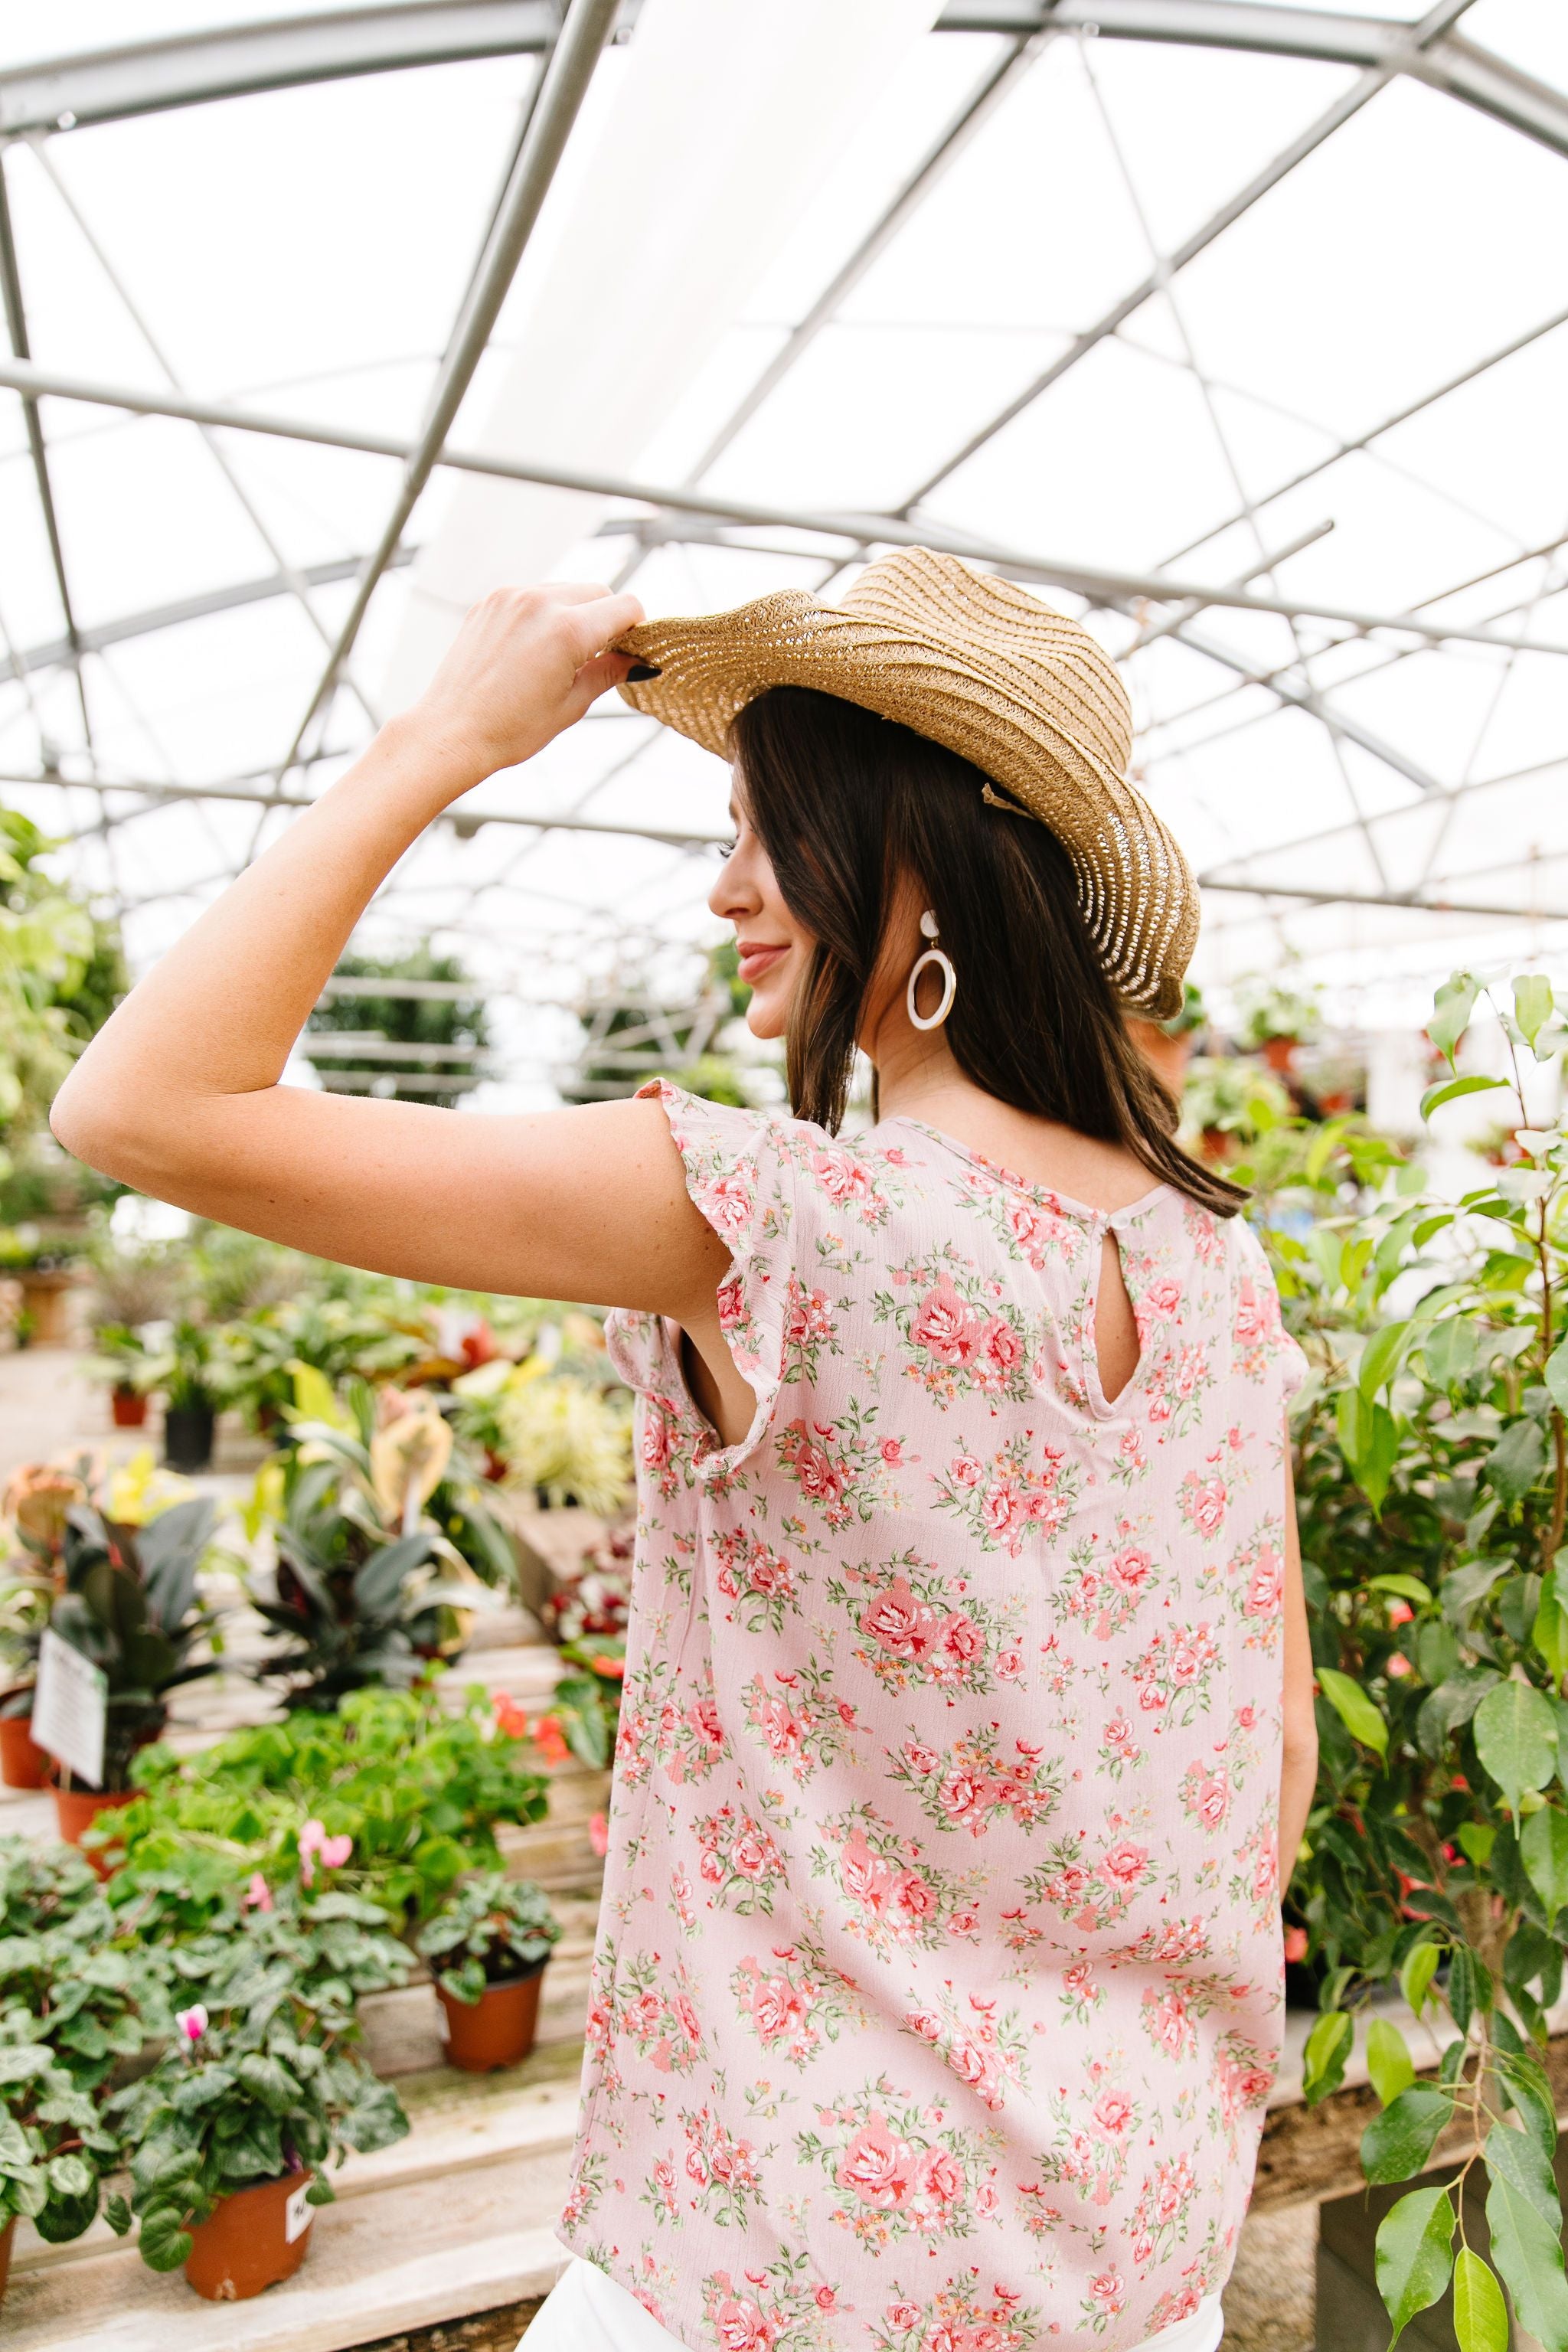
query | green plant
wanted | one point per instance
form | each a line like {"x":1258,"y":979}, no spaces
{"x":263,"y":2077}
{"x":368,"y":1586}
{"x":1233,"y":1098}
{"x":61,"y":974}
{"x":1273,"y":1010}
{"x":79,"y":2001}
{"x":417,"y":1787}
{"x":191,"y":1370}
{"x":586,"y":1701}
{"x":490,"y":1929}
{"x":123,"y":1358}
{"x":441,"y":1036}
{"x":568,"y":1441}
{"x":132,"y":1604}
{"x":266,"y":1347}
{"x":1431,"y":1469}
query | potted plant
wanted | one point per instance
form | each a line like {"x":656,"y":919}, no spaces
{"x":230,"y":2134}
{"x":130,"y":1603}
{"x":192,"y":1374}
{"x":488,"y":1947}
{"x":416,"y":1787}
{"x":1228,"y":1102}
{"x":81,"y":2001}
{"x":566,"y":1441}
{"x":1432,"y":1467}
{"x":367,"y":1585}
{"x":38,"y":1501}
{"x":131,"y":1368}
{"x":1275,"y":1021}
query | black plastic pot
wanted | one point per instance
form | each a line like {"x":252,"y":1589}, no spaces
{"x":188,"y":1437}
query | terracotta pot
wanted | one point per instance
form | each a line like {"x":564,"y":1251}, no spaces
{"x":76,"y":1810}
{"x":245,"y":2244}
{"x":128,"y":1407}
{"x":498,"y":2029}
{"x":23,"y":1763}
{"x":1280,"y":1053}
{"x":46,"y":1297}
{"x":7,"y":2234}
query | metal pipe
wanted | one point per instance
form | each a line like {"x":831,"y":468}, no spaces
{"x":1349,"y":103}
{"x":892,"y":531}
{"x":587,"y":27}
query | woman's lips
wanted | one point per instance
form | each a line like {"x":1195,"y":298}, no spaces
{"x":756,"y":960}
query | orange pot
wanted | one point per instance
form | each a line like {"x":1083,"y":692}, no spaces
{"x":23,"y":1763}
{"x":498,"y":2029}
{"x":1280,"y":1053}
{"x":76,"y":1810}
{"x":245,"y":2244}
{"x":128,"y":1407}
{"x":7,"y":2234}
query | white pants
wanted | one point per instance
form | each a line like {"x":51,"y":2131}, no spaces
{"x":586,"y":2312}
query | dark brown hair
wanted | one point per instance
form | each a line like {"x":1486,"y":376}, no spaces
{"x":845,"y":805}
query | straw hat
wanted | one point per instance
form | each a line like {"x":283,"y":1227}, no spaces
{"x":979,"y":665}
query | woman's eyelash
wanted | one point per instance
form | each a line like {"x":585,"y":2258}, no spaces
{"x":724,"y":850}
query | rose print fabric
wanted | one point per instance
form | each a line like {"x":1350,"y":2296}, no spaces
{"x":938,"y":1983}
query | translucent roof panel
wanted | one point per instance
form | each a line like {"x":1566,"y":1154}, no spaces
{"x":1238,"y":329}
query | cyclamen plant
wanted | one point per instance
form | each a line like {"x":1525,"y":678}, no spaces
{"x":1432,"y":1471}
{"x":491,"y":1930}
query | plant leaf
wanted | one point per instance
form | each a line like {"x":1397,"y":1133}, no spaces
{"x":1516,"y":1739}
{"x":1532,"y":1003}
{"x":1396,"y":2144}
{"x":1543,"y":1844}
{"x":1381,"y":1357}
{"x":1526,"y":2242}
{"x":1357,"y":1713}
{"x":1324,"y":2059}
{"x":1517,"y":1460}
{"x":1389,"y":2064}
{"x":1450,"y":1090}
{"x":1415,"y":1976}
{"x":1415,"y":2241}
{"x":1480,"y":2314}
{"x":1451,"y":1009}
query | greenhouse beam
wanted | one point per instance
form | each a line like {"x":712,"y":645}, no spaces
{"x":892,"y":531}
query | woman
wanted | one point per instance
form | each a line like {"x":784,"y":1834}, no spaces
{"x":966,"y":1727}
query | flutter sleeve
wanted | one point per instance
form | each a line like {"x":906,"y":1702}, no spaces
{"x":1262,"y":1351}
{"x":742,"y":1179}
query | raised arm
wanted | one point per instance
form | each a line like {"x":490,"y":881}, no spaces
{"x":179,"y":1093}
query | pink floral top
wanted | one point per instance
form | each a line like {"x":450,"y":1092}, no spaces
{"x":937,"y":1987}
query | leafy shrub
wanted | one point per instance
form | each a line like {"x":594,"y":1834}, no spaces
{"x":490,"y":1930}
{"x":263,"y":2077}
{"x":1432,"y":1468}
{"x":418,"y":1789}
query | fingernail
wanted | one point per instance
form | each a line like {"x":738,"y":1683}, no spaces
{"x":640,"y":671}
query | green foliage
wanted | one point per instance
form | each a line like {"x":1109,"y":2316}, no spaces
{"x":490,"y":1930}
{"x":417,"y":1787}
{"x":456,"y":1027}
{"x":131,"y":1605}
{"x":262,"y":2077}
{"x":586,"y":1701}
{"x":77,"y":2003}
{"x":1432,"y":1481}
{"x":60,"y":974}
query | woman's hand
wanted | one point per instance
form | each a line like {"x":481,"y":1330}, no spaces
{"x":526,"y":663}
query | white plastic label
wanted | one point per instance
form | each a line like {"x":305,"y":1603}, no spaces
{"x":71,"y":1708}
{"x":297,"y":2214}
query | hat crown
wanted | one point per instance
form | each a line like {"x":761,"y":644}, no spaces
{"x":1006,"y":629}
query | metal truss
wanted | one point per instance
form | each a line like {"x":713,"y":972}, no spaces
{"x":241,"y":60}
{"x":37,"y":102}
{"x":1096,"y":582}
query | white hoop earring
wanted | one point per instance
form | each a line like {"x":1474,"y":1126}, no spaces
{"x":934,"y":958}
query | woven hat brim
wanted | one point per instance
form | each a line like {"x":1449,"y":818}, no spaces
{"x":1139,"y":900}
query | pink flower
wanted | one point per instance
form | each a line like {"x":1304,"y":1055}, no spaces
{"x":1003,"y":1348}
{"x":962,"y":1639}
{"x":192,"y":2022}
{"x":892,"y":1454}
{"x":1214,"y":1800}
{"x":740,"y":2325}
{"x":1400,"y":1612}
{"x":1113,"y":2114}
{"x":945,"y":1327}
{"x":876,"y":2166}
{"x":727,"y":1205}
{"x":898,"y":1622}
{"x":333,"y":1851}
{"x":1124,"y":1864}
{"x":941,"y":2179}
{"x":1398,"y":1665}
{"x":1268,"y":1583}
{"x":257,"y":1896}
{"x":1294,"y":1944}
{"x":967,"y":1471}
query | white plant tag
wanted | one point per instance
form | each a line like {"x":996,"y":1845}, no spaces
{"x":71,"y":1708}
{"x":297,"y":2214}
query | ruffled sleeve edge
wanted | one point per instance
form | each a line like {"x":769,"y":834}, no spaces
{"x":731,"y":1159}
